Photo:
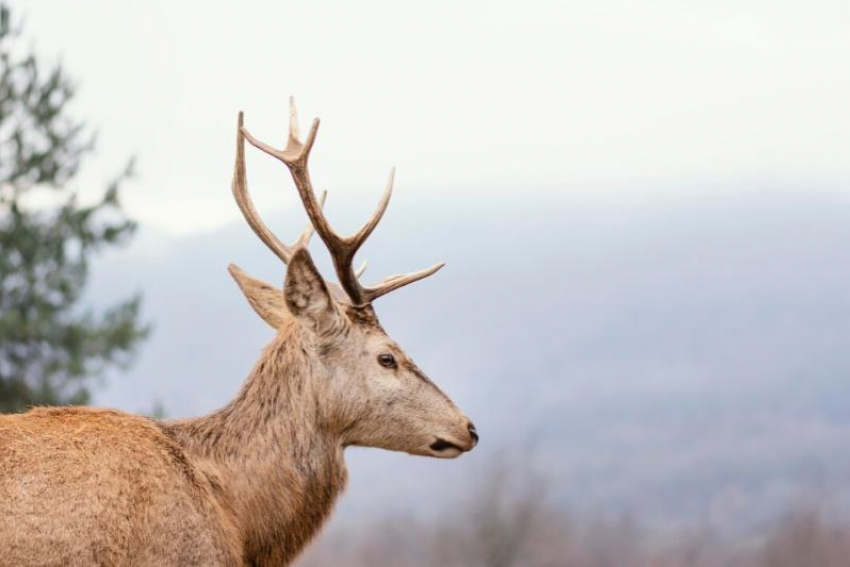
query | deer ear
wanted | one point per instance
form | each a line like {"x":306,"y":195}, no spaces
{"x":266,"y":299}
{"x":307,"y":295}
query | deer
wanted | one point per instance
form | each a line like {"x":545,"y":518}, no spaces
{"x":252,"y":483}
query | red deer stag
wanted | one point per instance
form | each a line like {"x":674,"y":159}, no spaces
{"x":251,"y":483}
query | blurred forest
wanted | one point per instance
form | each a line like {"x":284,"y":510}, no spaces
{"x":510,"y":521}
{"x":51,"y":346}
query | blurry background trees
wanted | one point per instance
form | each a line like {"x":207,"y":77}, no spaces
{"x":511,"y":520}
{"x":50,"y":345}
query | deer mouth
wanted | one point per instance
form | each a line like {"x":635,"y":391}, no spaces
{"x":441,"y":446}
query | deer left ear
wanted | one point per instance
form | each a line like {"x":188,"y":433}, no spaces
{"x":266,"y":299}
{"x":307,"y":296}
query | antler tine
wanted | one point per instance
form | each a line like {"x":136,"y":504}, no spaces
{"x":243,"y":199}
{"x":362,"y":234}
{"x":246,"y":205}
{"x":342,"y":249}
{"x":395,"y":282}
{"x":294,"y":134}
{"x":362,"y":269}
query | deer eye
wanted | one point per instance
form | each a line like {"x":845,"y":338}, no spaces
{"x":387,"y":360}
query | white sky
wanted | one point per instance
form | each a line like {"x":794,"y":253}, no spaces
{"x":467,"y":95}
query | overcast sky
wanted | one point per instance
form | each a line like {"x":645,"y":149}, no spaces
{"x":629,"y":97}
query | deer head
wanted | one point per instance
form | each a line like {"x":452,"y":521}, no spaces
{"x":370,"y":392}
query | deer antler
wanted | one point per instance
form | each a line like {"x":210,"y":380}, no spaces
{"x":246,"y":205}
{"x":342,"y":248}
{"x":243,"y":199}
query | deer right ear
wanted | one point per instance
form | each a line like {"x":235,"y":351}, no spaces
{"x":266,"y":299}
{"x":306,"y":294}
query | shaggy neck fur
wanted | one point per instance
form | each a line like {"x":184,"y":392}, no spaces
{"x":279,"y":465}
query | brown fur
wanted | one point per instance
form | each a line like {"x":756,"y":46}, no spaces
{"x":99,"y":487}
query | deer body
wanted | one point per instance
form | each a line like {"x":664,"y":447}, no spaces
{"x":97,"y":487}
{"x":251,"y":483}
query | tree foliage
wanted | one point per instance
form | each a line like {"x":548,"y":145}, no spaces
{"x":50,"y":345}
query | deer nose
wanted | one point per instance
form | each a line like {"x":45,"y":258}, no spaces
{"x":473,"y":432}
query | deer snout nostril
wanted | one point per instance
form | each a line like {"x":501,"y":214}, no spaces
{"x":473,"y":432}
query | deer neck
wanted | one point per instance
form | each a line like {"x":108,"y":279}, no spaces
{"x":280,"y":468}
